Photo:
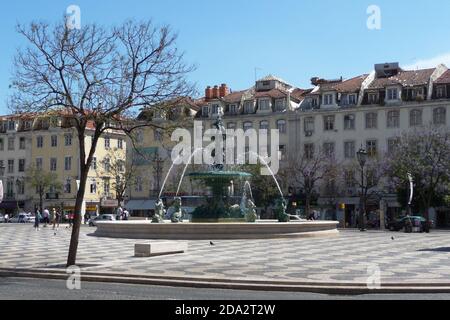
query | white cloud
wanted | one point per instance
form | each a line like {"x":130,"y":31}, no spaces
{"x":430,"y":63}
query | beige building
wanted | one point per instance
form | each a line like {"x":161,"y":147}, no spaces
{"x":50,"y":144}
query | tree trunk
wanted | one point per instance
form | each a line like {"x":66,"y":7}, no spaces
{"x":85,"y":165}
{"x":308,"y":206}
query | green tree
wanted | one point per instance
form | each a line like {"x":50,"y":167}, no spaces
{"x":43,"y":182}
{"x":424,"y":154}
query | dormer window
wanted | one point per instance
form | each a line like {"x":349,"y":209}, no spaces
{"x":373,"y":98}
{"x":264,"y":104}
{"x":248,"y":107}
{"x":215,"y":109}
{"x":11,"y":125}
{"x":328,"y":99}
{"x":392,"y":94}
{"x":352,"y":99}
{"x":440,"y":92}
{"x":205,"y":111}
{"x":280,"y":105}
{"x":233,"y":109}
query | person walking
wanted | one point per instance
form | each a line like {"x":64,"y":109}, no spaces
{"x":37,"y":220}
{"x":53,"y":218}
{"x":46,"y":216}
{"x":119,"y":213}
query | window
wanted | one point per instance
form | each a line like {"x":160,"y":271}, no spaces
{"x":107,"y":164}
{"x":373,"y":98}
{"x":439,"y":116}
{"x":53,"y":164}
{"x":120,"y":166}
{"x":371,"y":120}
{"x":54,"y":141}
{"x":248,"y":107}
{"x":11,"y":143}
{"x":440,"y":92}
{"x":309,"y":151}
{"x":392,"y":94}
{"x":94,"y":163}
{"x":22,"y":165}
{"x":328,"y":99}
{"x":215,"y":109}
{"x":233,"y":109}
{"x":68,"y":140}
{"x":350,"y":149}
{"x":264,"y":104}
{"x":248,"y":126}
{"x":314,"y":102}
{"x":309,"y":124}
{"x":10,"y":166}
{"x":2,"y":164}
{"x":11,"y":125}
{"x":349,"y":177}
{"x":231,"y":125}
{"x":415,"y":118}
{"x":22,"y":144}
{"x":352,"y":99}
{"x":281,"y":126}
{"x":2,"y":144}
{"x":68,"y":163}
{"x":139,"y":185}
{"x":393,"y":119}
{"x":158,"y":135}
{"x":392,"y":144}
{"x":93,"y":187}
{"x":20,"y":187}
{"x":39,"y":164}
{"x":139,"y":136}
{"x":280,"y":105}
{"x":119,"y":143}
{"x":282,"y":152}
{"x":349,"y":122}
{"x":205,"y":111}
{"x":264,"y":125}
{"x":328,"y":149}
{"x":372,"y":148}
{"x":329,"y":123}
{"x":106,"y":186}
{"x":107,"y":143}
{"x":68,"y":186}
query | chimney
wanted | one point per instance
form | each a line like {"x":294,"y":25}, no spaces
{"x":215,"y":92}
{"x":224,"y":90}
{"x":208,"y":93}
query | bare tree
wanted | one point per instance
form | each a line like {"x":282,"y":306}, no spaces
{"x":304,"y":171}
{"x":122,"y":173}
{"x":98,"y":77}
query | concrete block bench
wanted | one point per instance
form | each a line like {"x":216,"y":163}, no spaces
{"x":145,"y":250}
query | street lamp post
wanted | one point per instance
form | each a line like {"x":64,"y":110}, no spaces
{"x":362,"y":159}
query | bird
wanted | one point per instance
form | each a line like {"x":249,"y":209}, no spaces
{"x":392,"y":238}
{"x":212,"y":243}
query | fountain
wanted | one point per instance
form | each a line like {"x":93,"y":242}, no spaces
{"x":219,"y":217}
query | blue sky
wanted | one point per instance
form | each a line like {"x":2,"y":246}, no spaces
{"x":293,"y":39}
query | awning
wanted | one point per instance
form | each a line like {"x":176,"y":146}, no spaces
{"x":135,"y":205}
{"x":9,"y":205}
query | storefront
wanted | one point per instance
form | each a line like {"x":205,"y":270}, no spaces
{"x":141,"y":208}
{"x":108,"y":206}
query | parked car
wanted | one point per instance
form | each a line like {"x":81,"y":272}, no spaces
{"x":400,"y":223}
{"x":103,"y":217}
{"x":2,"y":219}
{"x":22,"y":218}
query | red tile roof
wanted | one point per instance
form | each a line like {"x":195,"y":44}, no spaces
{"x":444,"y":79}
{"x":404,"y":78}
